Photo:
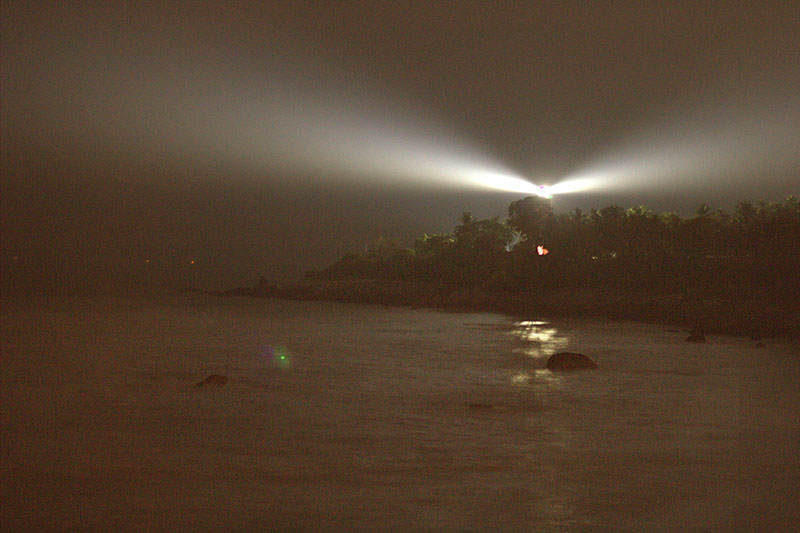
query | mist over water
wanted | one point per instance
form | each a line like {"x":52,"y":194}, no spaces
{"x":351,"y":417}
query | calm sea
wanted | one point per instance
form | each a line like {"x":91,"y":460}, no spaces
{"x":340,"y":417}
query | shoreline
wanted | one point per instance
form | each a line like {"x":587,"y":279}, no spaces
{"x":738,"y":317}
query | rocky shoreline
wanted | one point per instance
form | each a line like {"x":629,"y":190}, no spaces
{"x":751,"y":317}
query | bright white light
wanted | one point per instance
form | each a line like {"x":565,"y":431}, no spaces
{"x":577,"y":184}
{"x":510,"y":183}
{"x":504,"y":182}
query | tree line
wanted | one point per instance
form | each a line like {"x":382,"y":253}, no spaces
{"x":752,"y":251}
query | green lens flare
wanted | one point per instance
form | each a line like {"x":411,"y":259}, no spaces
{"x":279,"y":356}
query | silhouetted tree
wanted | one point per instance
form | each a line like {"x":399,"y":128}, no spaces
{"x":755,"y":250}
{"x":531,"y":217}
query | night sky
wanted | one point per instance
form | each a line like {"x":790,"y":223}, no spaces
{"x":269,"y":138}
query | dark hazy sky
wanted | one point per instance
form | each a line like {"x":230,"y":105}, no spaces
{"x":269,"y":137}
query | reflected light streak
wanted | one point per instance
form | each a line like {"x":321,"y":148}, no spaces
{"x":537,"y":339}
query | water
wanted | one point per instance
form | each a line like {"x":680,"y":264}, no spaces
{"x":357,"y":418}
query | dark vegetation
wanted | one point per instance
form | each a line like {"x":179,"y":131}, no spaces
{"x":755,"y":250}
{"x":734,"y":272}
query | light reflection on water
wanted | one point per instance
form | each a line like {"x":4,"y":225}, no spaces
{"x":386,"y":419}
{"x":539,"y":376}
{"x":537,"y":339}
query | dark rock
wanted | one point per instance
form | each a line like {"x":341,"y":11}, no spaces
{"x":697,"y":335}
{"x":213,"y":379}
{"x":570,"y":361}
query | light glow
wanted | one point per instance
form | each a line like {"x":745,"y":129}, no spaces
{"x":507,"y":183}
{"x":511,"y":183}
{"x":728,"y":139}
{"x":254,"y":107}
{"x":538,"y":339}
{"x":280,"y":356}
{"x":575,"y":184}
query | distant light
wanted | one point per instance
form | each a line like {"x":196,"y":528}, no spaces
{"x":192,"y":262}
{"x":541,"y":250}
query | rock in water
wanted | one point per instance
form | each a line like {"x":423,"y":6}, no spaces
{"x":570,"y":361}
{"x":213,"y":379}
